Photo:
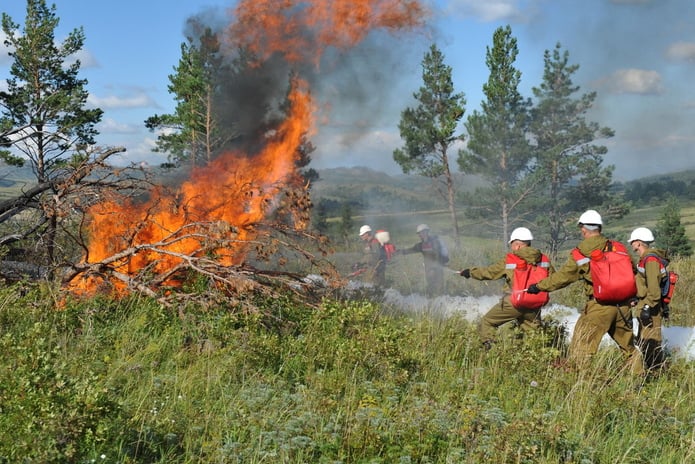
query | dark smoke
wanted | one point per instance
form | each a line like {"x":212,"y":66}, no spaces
{"x":354,"y":89}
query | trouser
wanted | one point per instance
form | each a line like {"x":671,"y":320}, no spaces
{"x":649,"y":341}
{"x":504,"y":312}
{"x":598,"y":319}
{"x":434,"y":276}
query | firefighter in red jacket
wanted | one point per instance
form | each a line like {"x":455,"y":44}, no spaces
{"x":504,"y":311}
{"x":373,"y":263}
{"x":596,"y":319}
{"x":651,"y":276}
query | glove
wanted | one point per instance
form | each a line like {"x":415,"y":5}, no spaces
{"x":533,"y":289}
{"x":645,"y":316}
{"x":633,"y":302}
{"x":466,"y":273}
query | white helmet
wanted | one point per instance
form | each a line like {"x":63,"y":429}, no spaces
{"x":643,"y":234}
{"x":421,"y":227}
{"x":591,"y":217}
{"x":364,"y":229}
{"x":521,"y":233}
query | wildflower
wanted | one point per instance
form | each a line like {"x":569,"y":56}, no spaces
{"x":534,"y":384}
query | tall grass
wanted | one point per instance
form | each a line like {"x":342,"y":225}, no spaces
{"x":131,"y":381}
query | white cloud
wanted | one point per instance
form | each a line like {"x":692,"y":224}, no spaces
{"x":631,"y":2}
{"x":486,"y":10}
{"x":373,"y":149}
{"x":87,"y":60}
{"x":4,"y":50}
{"x":142,"y":152}
{"x":681,"y":51}
{"x":112,"y":126}
{"x":635,"y":81}
{"x":141,"y":100}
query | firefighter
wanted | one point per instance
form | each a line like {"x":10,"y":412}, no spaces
{"x":504,"y":311}
{"x":596,"y":319}
{"x":435,"y":257}
{"x":373,"y":263}
{"x":651,"y":276}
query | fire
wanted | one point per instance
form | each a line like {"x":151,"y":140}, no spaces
{"x":225,"y":198}
{"x":302,"y":30}
{"x":222,"y":201}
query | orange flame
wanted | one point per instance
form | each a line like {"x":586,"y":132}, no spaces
{"x":235,"y":191}
{"x":302,"y":30}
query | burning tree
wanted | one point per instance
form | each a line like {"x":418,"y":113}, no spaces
{"x":249,"y":205}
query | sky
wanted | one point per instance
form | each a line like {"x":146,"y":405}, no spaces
{"x":637,"y":55}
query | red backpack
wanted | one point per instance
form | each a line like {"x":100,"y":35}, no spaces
{"x":384,"y":239}
{"x":668,"y":285}
{"x":612,"y":273}
{"x":526,"y":274}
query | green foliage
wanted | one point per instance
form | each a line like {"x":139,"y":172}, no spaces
{"x":194,"y":134}
{"x":45,"y":107}
{"x":346,"y":229}
{"x":45,"y":99}
{"x":430,"y":129}
{"x":670,"y":233}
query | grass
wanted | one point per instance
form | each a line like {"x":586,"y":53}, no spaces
{"x":130,"y":381}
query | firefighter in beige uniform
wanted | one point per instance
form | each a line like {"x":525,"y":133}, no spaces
{"x":504,"y":311}
{"x":433,"y":256}
{"x":596,"y":319}
{"x":650,"y":275}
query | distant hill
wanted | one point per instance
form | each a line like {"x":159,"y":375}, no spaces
{"x":687,"y":176}
{"x":366,"y":189}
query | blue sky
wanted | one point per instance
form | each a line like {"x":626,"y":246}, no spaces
{"x":638,"y":55}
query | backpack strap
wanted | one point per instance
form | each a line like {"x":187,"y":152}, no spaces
{"x":652,"y":257}
{"x":513,"y":261}
{"x":544,"y":262}
{"x":579,"y":258}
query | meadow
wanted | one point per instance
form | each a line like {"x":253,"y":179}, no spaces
{"x":347,"y":378}
{"x":344,"y":380}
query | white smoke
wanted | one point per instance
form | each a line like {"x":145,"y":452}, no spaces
{"x":680,"y":341}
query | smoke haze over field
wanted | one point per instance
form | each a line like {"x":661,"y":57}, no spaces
{"x":679,"y":341}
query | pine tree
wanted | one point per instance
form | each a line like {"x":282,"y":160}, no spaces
{"x":568,"y":168}
{"x":498,"y":148}
{"x":43,"y":112}
{"x":320,"y":220}
{"x":191,"y":134}
{"x":430,"y":129}
{"x":670,"y":232}
{"x":346,"y":223}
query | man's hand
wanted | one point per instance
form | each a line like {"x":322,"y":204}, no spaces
{"x":533,"y":289}
{"x":466,"y":273}
{"x":645,"y":316}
